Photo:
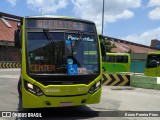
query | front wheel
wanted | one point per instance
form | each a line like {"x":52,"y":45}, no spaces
{"x":19,"y":87}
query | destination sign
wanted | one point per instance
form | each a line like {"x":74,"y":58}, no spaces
{"x":60,"y":24}
{"x":41,"y":68}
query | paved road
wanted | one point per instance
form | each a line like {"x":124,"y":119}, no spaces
{"x":116,"y":99}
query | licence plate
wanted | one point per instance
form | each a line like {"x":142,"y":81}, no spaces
{"x":66,"y":103}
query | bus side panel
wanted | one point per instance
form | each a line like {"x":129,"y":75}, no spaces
{"x":116,"y":67}
{"x":111,"y":66}
{"x":95,"y":98}
{"x":30,"y":101}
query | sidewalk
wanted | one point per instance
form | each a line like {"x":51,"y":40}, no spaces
{"x":10,"y":69}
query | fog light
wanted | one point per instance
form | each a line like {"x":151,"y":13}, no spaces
{"x":95,"y":87}
{"x":83,"y":101}
{"x":47,"y":103}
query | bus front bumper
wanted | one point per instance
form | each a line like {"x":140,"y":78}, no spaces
{"x":32,"y":101}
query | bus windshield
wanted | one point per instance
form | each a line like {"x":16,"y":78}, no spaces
{"x":66,"y":53}
{"x":153,"y":60}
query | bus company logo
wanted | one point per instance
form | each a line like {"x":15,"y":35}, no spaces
{"x":70,"y":37}
{"x":6,"y":114}
{"x":53,"y":90}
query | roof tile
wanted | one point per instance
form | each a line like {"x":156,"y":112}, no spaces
{"x":6,"y":33}
{"x":123,"y":47}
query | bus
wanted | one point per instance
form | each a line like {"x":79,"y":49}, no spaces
{"x":116,"y":62}
{"x":55,"y":69}
{"x":152,"y":67}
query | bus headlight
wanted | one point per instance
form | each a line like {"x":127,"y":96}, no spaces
{"x":33,"y":89}
{"x":95,"y":87}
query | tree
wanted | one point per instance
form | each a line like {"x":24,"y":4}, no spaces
{"x":108,"y":45}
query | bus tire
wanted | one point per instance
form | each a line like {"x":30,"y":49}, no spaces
{"x":19,"y":87}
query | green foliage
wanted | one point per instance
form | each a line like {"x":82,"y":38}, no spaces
{"x":109,"y":45}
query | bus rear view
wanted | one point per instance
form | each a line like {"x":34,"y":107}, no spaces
{"x":55,"y":71}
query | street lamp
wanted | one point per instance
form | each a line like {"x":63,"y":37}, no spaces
{"x":103,"y":16}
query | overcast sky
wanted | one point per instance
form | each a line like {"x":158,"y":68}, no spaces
{"x":133,"y":20}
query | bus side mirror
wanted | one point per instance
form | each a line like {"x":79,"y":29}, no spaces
{"x":103,"y":50}
{"x":17,"y":38}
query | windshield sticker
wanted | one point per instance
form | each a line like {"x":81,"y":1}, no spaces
{"x":72,"y":69}
{"x":31,"y":55}
{"x":70,"y":61}
{"x":68,"y":42}
{"x":82,"y":70}
{"x":68,"y":45}
{"x":39,"y":58}
{"x":42,"y":68}
{"x":88,"y":39}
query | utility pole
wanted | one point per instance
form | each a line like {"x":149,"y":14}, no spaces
{"x":41,"y":11}
{"x":103,"y":16}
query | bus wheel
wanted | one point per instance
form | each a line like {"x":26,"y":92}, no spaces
{"x":19,"y":87}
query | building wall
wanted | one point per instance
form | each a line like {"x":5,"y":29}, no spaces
{"x":9,"y":53}
{"x":138,"y":62}
{"x":137,"y":66}
{"x":155,"y":44}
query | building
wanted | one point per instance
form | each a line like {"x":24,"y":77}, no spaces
{"x":155,"y":43}
{"x":129,"y":47}
{"x":8,"y":24}
{"x":138,"y":52}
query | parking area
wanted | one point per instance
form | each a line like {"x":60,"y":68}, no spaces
{"x":114,"y":99}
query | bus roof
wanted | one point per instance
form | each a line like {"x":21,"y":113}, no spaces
{"x":117,"y":54}
{"x":59,"y":17}
{"x":154,"y":53}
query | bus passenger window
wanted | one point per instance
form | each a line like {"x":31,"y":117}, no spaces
{"x":121,"y":59}
{"x":110,"y":58}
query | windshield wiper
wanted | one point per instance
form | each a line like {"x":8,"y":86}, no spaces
{"x":51,"y":40}
{"x":80,"y":34}
{"x":48,"y":35}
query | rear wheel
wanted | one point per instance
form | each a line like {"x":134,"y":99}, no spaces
{"x":19,"y":87}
